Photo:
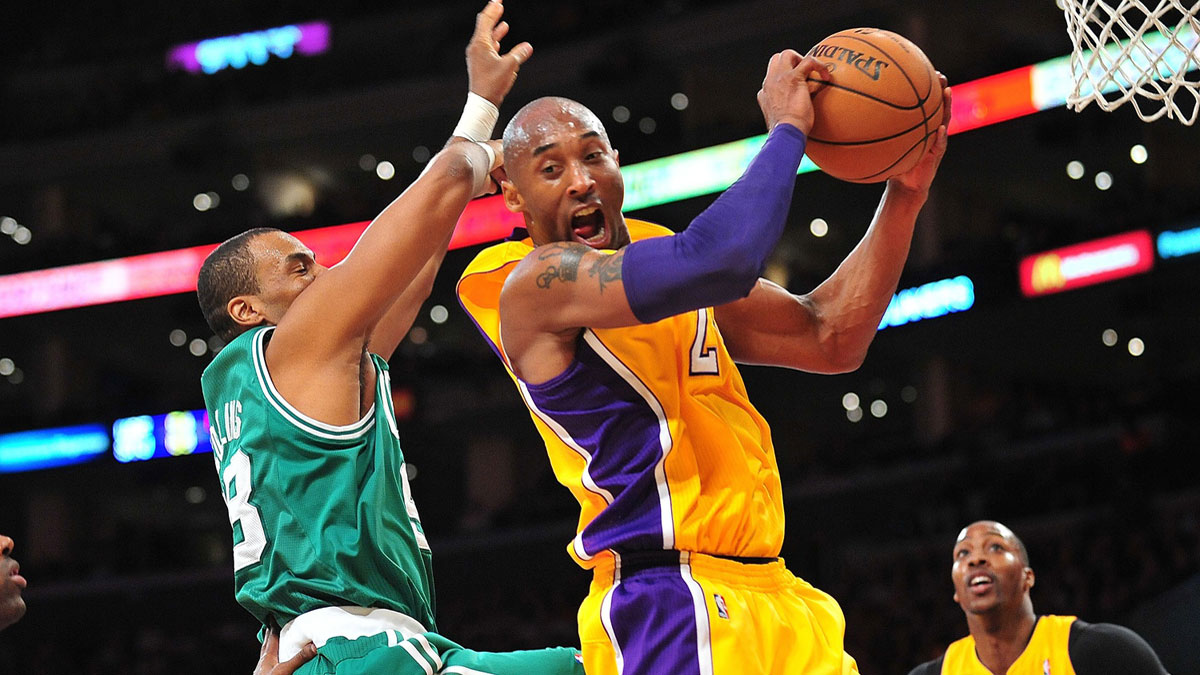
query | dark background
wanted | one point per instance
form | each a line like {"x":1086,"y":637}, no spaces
{"x":1014,"y":410}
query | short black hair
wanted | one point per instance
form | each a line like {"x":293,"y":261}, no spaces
{"x":227,"y":272}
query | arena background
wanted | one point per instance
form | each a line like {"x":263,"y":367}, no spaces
{"x":1013,"y":409}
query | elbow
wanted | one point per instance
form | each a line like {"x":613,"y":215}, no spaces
{"x":737,"y":274}
{"x":841,"y":360}
{"x":843,"y":348}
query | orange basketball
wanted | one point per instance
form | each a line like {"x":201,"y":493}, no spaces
{"x":880,"y":110}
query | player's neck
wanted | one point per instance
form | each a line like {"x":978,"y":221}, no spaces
{"x":1000,"y":640}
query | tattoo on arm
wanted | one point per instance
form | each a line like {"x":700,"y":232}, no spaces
{"x":607,"y":269}
{"x":567,"y":269}
{"x":568,"y":256}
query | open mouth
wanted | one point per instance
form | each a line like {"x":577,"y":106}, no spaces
{"x":14,"y":575}
{"x":980,"y":583}
{"x":588,"y":226}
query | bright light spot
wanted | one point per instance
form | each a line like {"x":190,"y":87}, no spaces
{"x":908,"y":394}
{"x":1109,"y":337}
{"x":620,"y":114}
{"x":679,"y":101}
{"x":418,"y":335}
{"x":215,"y":344}
{"x":1075,"y":169}
{"x":818,"y":227}
{"x":367,"y":162}
{"x":23,"y":235}
{"x":385,"y":170}
{"x":178,"y":337}
{"x":7,"y":366}
{"x":647,"y":125}
{"x":854,"y":415}
{"x":410,"y":470}
{"x":17,"y":377}
{"x":198,"y":347}
{"x":420,"y":154}
{"x":240,"y":182}
{"x":850,"y":401}
{"x":1062,"y":4}
{"x":202,"y":202}
{"x":195,"y":494}
{"x":439,"y":314}
{"x":1137,"y":347}
{"x":8,"y":225}
{"x":1139,"y":154}
{"x":878,"y":408}
{"x":214,"y":199}
{"x":1104,"y":180}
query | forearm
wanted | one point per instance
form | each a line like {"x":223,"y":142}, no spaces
{"x":398,"y":243}
{"x":851,"y":302}
{"x":398,"y":319}
{"x":719,"y":257}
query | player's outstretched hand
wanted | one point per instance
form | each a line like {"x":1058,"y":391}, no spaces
{"x":786,"y":93}
{"x":491,"y":75}
{"x":920,"y":177}
{"x":268,"y":656}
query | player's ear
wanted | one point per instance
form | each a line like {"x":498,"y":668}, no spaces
{"x":617,"y":156}
{"x":513,"y":200}
{"x":1029,"y":578}
{"x":244,"y":311}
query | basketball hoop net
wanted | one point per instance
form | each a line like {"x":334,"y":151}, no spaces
{"x":1128,"y":51}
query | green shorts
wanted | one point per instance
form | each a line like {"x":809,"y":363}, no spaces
{"x":429,"y":654}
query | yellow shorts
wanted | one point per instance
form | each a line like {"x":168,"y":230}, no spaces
{"x":708,"y":616}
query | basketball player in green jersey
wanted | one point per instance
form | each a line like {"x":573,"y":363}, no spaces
{"x":328,"y":543}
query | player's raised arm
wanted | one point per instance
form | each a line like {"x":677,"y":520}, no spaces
{"x":829,"y":329}
{"x":566,"y":285}
{"x":490,"y":77}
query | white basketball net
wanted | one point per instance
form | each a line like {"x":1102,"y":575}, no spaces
{"x":1134,"y":52}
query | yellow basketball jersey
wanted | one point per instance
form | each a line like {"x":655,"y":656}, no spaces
{"x":1046,"y":653}
{"x":649,"y":427}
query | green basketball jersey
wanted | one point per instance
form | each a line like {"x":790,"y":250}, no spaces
{"x":322,"y":515}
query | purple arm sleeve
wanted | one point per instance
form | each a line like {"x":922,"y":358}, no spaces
{"x":720,"y":255}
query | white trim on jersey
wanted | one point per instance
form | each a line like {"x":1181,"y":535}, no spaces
{"x":585,"y":476}
{"x":703,"y":629}
{"x":295,"y":417}
{"x":429,"y":650}
{"x":412,"y":651}
{"x":319,"y":625}
{"x":666,"y":513}
{"x":606,"y":621}
{"x":463,"y":670}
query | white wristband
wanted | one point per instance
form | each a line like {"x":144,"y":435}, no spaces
{"x":482,"y":176}
{"x":478,"y":119}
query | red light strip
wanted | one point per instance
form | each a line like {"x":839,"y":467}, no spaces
{"x":976,"y":104}
{"x":1087,"y":264}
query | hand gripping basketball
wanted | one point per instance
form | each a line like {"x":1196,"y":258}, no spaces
{"x":920,"y":177}
{"x":786,"y":93}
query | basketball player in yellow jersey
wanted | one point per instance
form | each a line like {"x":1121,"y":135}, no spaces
{"x":992,"y":579}
{"x":624,"y":353}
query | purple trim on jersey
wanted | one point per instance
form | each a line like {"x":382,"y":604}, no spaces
{"x":605,"y":416}
{"x":653,"y":619}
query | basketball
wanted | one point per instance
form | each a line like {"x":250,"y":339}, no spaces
{"x":879,"y":111}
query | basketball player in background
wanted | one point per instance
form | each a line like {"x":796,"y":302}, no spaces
{"x":12,"y":605}
{"x":992,"y":579}
{"x":328,"y":543}
{"x":624,"y":353}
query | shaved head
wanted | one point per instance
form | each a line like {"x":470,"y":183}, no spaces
{"x":528,"y":130}
{"x":1001,"y":530}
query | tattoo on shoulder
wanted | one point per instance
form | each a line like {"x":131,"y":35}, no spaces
{"x":607,"y":269}
{"x":563,"y":260}
{"x":563,"y":263}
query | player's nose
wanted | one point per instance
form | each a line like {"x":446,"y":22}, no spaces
{"x":580,"y":181}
